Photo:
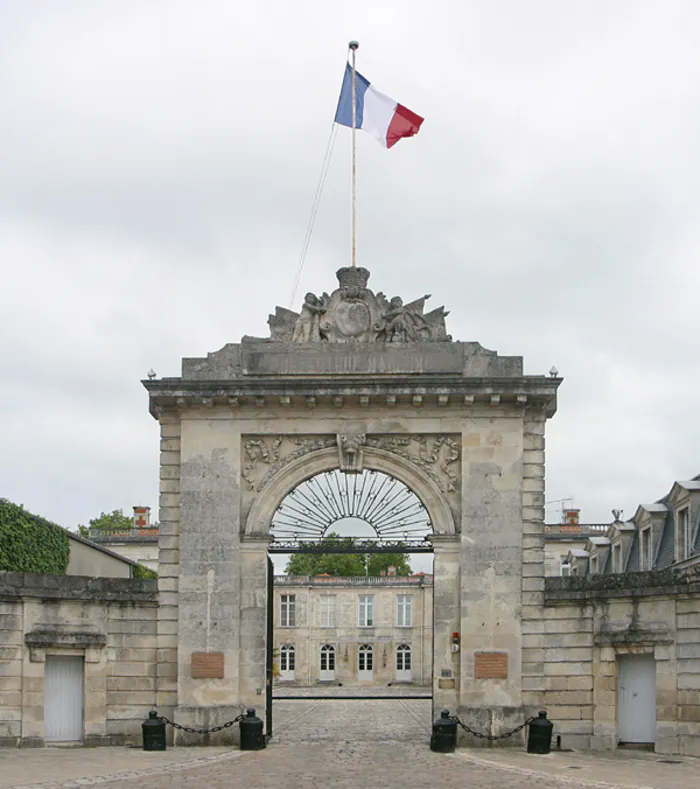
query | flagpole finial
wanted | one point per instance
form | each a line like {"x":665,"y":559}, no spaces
{"x":353,"y":45}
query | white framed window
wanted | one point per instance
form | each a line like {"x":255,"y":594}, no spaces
{"x":287,"y":661}
{"x":564,"y":567}
{"x":403,"y":657}
{"x":327,"y":661}
{"x":288,"y":615}
{"x":617,"y":558}
{"x":682,"y":534}
{"x":365,"y":617}
{"x":365,"y":655}
{"x":404,"y":614}
{"x":327,"y":610}
{"x":646,"y":559}
{"x":328,"y":657}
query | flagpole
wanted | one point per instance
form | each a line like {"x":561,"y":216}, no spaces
{"x":353,"y":48}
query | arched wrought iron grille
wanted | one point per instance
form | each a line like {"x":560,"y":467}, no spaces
{"x":310,"y":511}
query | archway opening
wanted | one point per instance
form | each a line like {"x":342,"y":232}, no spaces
{"x":353,"y":564}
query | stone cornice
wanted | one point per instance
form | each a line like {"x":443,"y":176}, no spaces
{"x":653,"y":583}
{"x":440,"y":390}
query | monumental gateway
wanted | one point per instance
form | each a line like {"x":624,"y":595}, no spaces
{"x":354,"y":381}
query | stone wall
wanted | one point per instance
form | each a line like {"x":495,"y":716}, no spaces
{"x":588,"y":624}
{"x":110,"y":622}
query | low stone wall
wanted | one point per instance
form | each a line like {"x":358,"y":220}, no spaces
{"x":109,"y":622}
{"x":589,"y":623}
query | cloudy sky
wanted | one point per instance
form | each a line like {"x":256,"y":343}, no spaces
{"x":158,"y":161}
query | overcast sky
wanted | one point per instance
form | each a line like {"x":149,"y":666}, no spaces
{"x":158,"y":161}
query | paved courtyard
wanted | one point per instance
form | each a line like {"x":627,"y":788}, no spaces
{"x":343,"y":744}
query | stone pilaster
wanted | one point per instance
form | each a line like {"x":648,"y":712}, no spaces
{"x":168,"y":563}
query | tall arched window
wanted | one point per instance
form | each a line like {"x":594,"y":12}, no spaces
{"x":365,"y":656}
{"x":327,"y":662}
{"x":287,"y":662}
{"x":403,"y":663}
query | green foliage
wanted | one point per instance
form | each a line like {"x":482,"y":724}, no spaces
{"x":346,"y":564}
{"x":115,"y":520}
{"x":141,"y":571}
{"x":31,"y":544}
{"x":377,"y":562}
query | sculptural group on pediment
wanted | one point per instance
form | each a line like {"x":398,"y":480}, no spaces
{"x":354,"y":313}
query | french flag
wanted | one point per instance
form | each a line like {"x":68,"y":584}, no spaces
{"x":382,"y":117}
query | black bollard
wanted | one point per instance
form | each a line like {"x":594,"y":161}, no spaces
{"x":444,"y":736}
{"x":153,"y":733}
{"x":539,"y":737}
{"x":252,"y":738}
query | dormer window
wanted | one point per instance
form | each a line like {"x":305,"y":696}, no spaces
{"x":682,"y":534}
{"x":594,"y":565}
{"x":645,"y":559}
{"x":617,"y":558}
{"x":564,"y":567}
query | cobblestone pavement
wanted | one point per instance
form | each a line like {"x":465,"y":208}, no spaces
{"x":342,"y":745}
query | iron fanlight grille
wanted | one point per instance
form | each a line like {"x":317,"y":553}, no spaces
{"x":309,"y":512}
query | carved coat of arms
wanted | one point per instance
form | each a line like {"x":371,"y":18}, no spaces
{"x":353,"y":313}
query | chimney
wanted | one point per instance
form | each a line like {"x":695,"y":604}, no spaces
{"x":142,"y":517}
{"x":571,"y":517}
{"x":391,"y":570}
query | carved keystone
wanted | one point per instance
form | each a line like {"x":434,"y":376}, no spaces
{"x":350,"y":452}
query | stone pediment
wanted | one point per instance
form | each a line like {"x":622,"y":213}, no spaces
{"x":354,"y":313}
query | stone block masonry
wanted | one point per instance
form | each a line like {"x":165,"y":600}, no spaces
{"x":110,"y":622}
{"x":589,"y":624}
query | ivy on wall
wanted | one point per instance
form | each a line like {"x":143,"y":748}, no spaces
{"x":31,"y":544}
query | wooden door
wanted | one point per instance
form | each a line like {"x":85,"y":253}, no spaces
{"x":636,"y":699}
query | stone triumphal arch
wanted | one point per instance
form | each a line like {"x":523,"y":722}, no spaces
{"x":354,"y":381}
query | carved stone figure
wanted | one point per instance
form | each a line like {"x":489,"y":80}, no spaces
{"x":404,"y":323}
{"x":306,"y":327}
{"x":353,"y":313}
{"x":350,"y":452}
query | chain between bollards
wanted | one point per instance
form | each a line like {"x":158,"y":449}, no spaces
{"x":190,"y":730}
{"x":481,"y":736}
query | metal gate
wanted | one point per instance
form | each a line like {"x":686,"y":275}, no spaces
{"x":269,"y":665}
{"x":636,"y":699}
{"x":63,"y":698}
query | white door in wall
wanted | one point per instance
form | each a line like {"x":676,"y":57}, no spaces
{"x":287,"y":662}
{"x":403,"y":663}
{"x":636,"y":698}
{"x":364,"y":663}
{"x":327,"y":663}
{"x":63,"y":698}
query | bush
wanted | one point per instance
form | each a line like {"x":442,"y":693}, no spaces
{"x":141,"y":571}
{"x":31,"y":544}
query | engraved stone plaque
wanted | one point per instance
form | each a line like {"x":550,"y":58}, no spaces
{"x":446,"y":684}
{"x":491,"y":665}
{"x":207,"y":665}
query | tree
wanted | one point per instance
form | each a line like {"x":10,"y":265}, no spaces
{"x":346,"y":564}
{"x":115,"y":520}
{"x":377,"y":562}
